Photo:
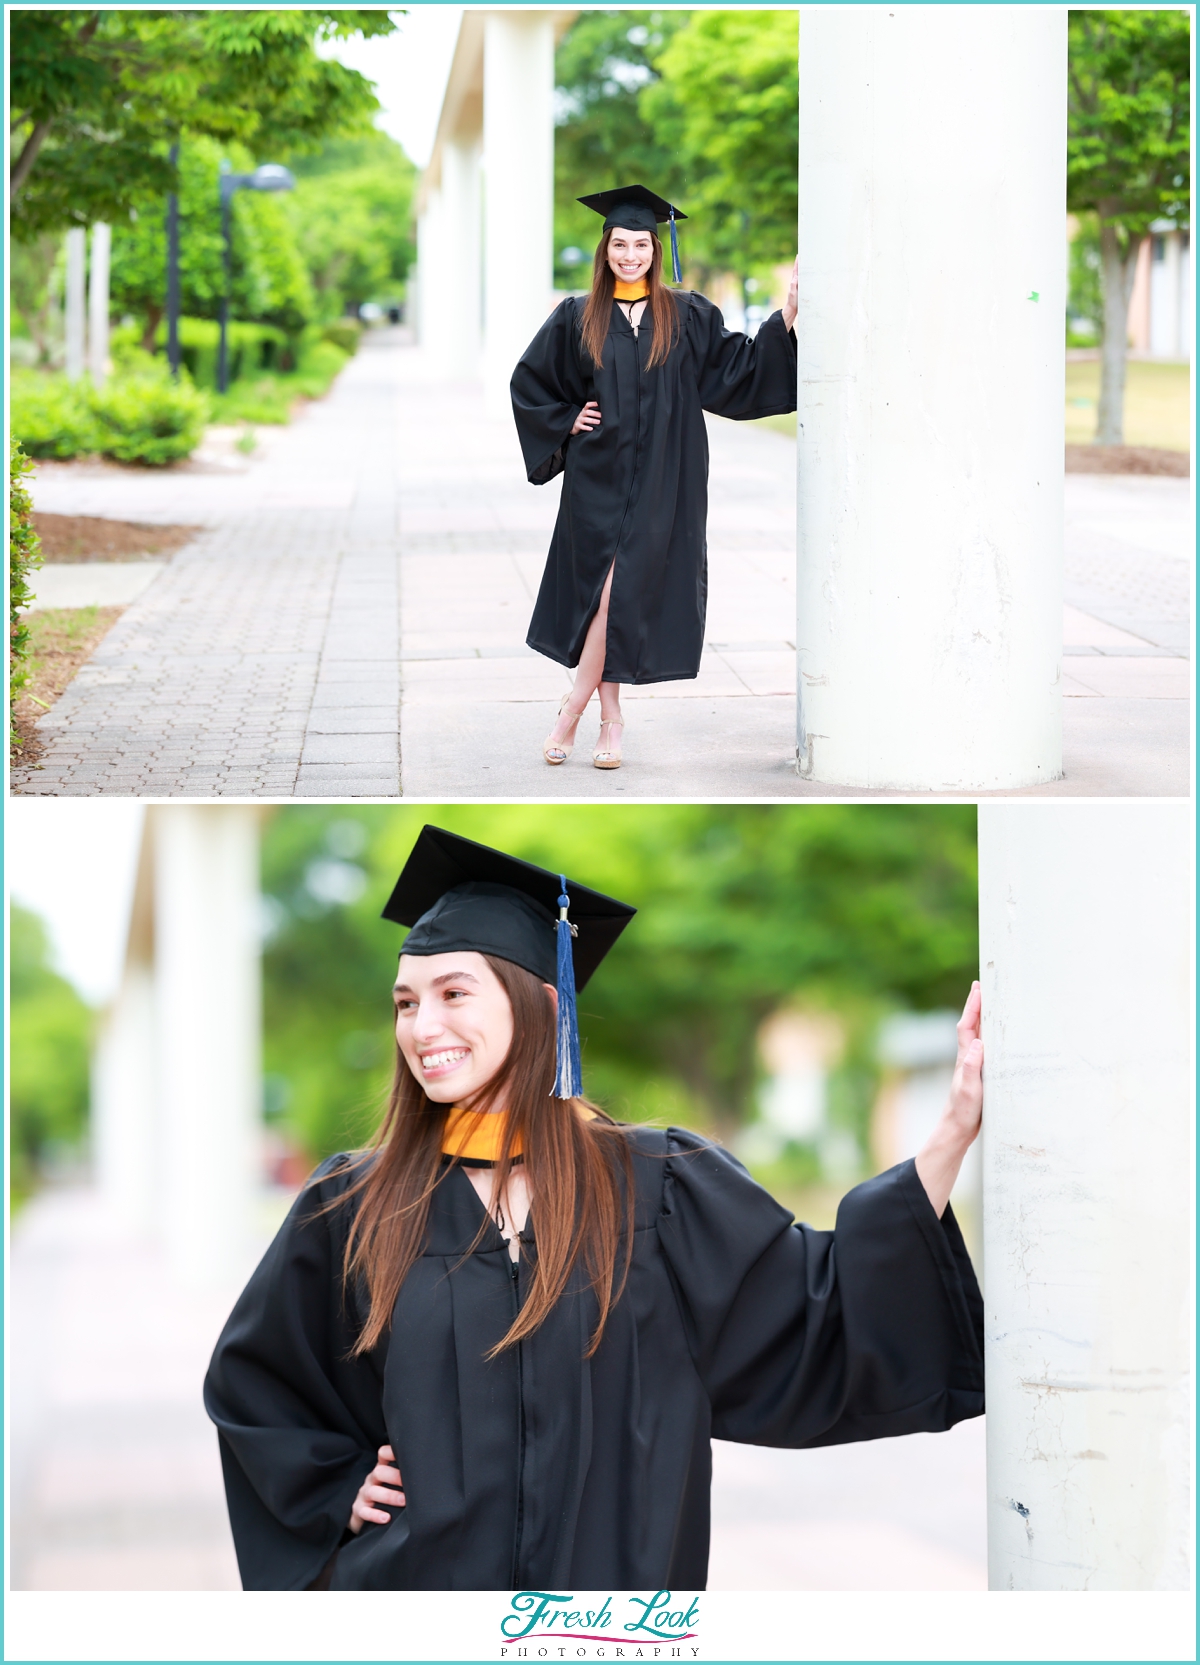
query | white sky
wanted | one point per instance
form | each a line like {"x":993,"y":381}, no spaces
{"x":409,"y":70}
{"x":73,"y":860}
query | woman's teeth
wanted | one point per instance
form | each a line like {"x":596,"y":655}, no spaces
{"x":439,"y":1060}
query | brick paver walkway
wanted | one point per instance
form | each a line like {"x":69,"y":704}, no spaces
{"x":264,"y":660}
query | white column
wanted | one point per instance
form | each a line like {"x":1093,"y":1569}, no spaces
{"x":209,"y":1002}
{"x":518,"y":150}
{"x":462,"y":210}
{"x":98,"y":302}
{"x":125,"y":1101}
{"x":1085,"y":924}
{"x":75,"y":301}
{"x":930,"y":457}
{"x":448,"y":254}
{"x":430,"y":266}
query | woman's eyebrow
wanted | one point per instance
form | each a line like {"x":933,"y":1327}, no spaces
{"x":439,"y":982}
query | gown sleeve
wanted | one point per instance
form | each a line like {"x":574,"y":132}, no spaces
{"x":299,"y":1422}
{"x":739,"y":376}
{"x":806,"y":1338}
{"x":548,"y":392}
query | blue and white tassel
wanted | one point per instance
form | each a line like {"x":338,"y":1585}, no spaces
{"x":568,"y":1080}
{"x":675,"y":250}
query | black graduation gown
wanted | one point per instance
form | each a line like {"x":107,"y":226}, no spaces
{"x":543,"y":1469}
{"x":635,"y":491}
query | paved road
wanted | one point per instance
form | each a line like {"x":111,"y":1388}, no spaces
{"x":351,"y":621}
{"x":108,"y":1346}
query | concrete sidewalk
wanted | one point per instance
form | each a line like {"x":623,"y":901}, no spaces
{"x":351,"y":623}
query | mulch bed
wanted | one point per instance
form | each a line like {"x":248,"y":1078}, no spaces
{"x":62,"y":639}
{"x":91,"y":538}
{"x":1127,"y":459}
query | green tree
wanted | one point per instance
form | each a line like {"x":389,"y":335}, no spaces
{"x":50,"y":1037}
{"x":602,"y":136}
{"x":270,"y":278}
{"x":31,"y":267}
{"x":725,"y":106}
{"x":98,"y":98}
{"x":743,"y":909}
{"x":1128,"y":148}
{"x":352,"y":216}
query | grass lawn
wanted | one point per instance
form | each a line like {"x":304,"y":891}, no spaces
{"x":1157,"y":402}
{"x":61,"y":639}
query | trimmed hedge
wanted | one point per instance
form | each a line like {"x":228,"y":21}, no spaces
{"x":139,"y":416}
{"x":24,"y":555}
{"x":149,"y":419}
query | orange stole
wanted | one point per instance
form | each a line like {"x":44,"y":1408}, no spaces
{"x":631,"y":291}
{"x":483,"y":1144}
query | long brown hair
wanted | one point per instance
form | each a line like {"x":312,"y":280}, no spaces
{"x":597,"y":314}
{"x":579,"y":1170}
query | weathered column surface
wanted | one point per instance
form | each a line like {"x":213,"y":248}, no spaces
{"x":1085,"y":922}
{"x":518,"y":152}
{"x":930,"y":456}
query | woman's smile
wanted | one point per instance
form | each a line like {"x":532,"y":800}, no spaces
{"x":441,"y":1063}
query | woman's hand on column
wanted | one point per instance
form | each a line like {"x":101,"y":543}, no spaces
{"x":791,"y":305}
{"x":588,"y":418}
{"x":376,"y":1488}
{"x":940,"y":1158}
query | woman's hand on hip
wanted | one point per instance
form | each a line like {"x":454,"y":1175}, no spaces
{"x":792,"y":305}
{"x":588,"y":418}
{"x":377,"y":1488}
{"x":940,"y":1158}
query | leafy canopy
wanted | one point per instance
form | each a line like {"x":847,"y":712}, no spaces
{"x":351,"y":213}
{"x":602,"y":137}
{"x":98,"y":98}
{"x":726,"y":107}
{"x":270,"y":278}
{"x":1129,"y":134}
{"x":700,"y":106}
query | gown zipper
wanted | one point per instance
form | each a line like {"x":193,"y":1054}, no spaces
{"x":637,"y":353}
{"x":514,"y":1274}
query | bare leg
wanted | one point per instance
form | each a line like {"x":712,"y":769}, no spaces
{"x":588,"y":674}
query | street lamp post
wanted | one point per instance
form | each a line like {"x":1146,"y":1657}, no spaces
{"x":271,"y":176}
{"x":173,"y":274}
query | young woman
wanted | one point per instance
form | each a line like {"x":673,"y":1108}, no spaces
{"x":491,"y":1351}
{"x":611,"y":393}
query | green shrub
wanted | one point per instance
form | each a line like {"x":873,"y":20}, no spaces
{"x":51,"y":416}
{"x":252,"y":348}
{"x":50,"y":1038}
{"x":344,"y":334}
{"x":24,"y":554}
{"x":148,"y":418}
{"x":270,"y":398}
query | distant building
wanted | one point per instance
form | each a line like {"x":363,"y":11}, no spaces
{"x":1160,"y":308}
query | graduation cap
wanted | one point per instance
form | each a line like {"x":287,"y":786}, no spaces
{"x":459,"y":895}
{"x":635,"y":208}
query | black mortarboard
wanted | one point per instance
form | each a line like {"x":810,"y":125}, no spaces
{"x":635,"y":208}
{"x":457,"y":894}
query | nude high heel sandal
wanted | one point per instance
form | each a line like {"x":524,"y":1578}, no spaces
{"x":555,"y":751}
{"x":608,"y":756}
